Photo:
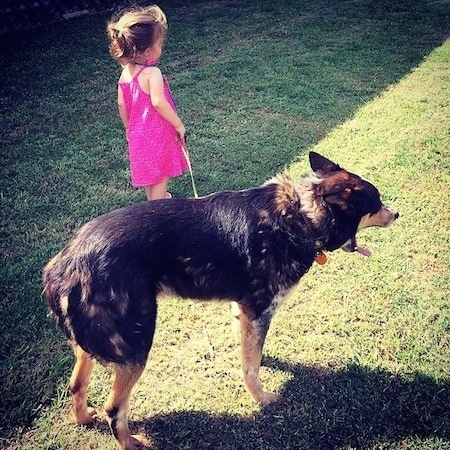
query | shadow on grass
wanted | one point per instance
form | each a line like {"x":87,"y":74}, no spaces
{"x":321,"y":409}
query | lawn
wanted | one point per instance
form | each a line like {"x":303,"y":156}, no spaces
{"x":360,"y":352}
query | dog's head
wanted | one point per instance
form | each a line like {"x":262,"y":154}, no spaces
{"x":355,"y":203}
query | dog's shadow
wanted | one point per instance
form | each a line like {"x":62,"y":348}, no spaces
{"x":321,"y":409}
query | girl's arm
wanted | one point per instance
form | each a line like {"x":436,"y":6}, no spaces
{"x":122,"y":109}
{"x":156,"y":91}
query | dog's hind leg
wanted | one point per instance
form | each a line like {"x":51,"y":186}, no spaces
{"x":78,"y":385}
{"x":116,"y":406}
{"x":252,"y":335}
{"x":236,"y":322}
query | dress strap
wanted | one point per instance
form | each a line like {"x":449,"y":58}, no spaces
{"x":140,"y":71}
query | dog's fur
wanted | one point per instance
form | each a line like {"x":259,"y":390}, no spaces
{"x":249,"y":247}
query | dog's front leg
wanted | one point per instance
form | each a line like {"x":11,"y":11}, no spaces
{"x":116,"y":406}
{"x":252,"y":336}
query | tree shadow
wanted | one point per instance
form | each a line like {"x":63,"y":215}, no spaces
{"x":354,"y":407}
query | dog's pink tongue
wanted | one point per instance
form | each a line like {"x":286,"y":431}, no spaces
{"x":363,"y":251}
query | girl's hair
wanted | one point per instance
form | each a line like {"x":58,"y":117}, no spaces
{"x":135,"y":31}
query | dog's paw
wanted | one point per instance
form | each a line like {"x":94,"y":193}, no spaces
{"x":87,"y":417}
{"x":267,"y":398}
{"x":137,"y":442}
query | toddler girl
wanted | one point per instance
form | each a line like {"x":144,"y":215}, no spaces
{"x":154,"y":131}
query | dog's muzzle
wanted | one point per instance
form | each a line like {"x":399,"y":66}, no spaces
{"x":382,"y":218}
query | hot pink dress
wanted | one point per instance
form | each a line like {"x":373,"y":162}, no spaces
{"x":153,"y":146}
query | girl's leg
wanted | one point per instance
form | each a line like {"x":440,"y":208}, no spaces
{"x":157,"y":191}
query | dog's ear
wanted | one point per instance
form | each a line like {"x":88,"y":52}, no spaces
{"x":319,"y":162}
{"x":338,"y":192}
{"x":338,"y":197}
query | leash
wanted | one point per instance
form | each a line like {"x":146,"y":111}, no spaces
{"x":188,"y":160}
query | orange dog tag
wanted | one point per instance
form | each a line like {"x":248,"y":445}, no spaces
{"x":321,"y":258}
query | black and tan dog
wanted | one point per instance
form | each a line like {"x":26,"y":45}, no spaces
{"x":250,"y":247}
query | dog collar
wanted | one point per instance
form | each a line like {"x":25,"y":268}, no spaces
{"x":320,"y":258}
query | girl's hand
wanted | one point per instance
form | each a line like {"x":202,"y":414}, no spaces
{"x":181,"y":130}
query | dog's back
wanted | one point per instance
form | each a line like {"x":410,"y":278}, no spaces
{"x":102,"y":286}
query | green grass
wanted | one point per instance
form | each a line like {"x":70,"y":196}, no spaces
{"x":360,"y":351}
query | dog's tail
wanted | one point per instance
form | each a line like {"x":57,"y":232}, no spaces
{"x":50,"y":290}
